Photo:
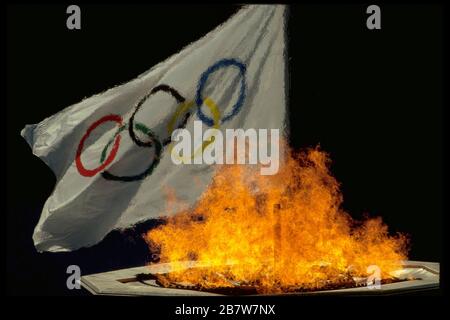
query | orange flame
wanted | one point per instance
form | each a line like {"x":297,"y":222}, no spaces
{"x":285,"y":230}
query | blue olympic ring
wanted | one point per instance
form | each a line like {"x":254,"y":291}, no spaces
{"x":202,"y":82}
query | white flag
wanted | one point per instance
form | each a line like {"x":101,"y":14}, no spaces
{"x":111,"y":152}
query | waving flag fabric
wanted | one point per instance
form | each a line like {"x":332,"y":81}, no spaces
{"x":111,"y":152}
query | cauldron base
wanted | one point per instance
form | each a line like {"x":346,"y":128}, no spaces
{"x":127,"y":282}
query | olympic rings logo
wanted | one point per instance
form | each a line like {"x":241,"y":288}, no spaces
{"x":184,"y":107}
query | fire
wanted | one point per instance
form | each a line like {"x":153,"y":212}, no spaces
{"x":276,"y":232}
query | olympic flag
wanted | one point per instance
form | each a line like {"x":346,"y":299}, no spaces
{"x":111,"y":152}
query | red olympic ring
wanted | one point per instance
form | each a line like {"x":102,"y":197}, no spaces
{"x":91,"y":172}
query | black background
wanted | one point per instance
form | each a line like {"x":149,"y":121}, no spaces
{"x":372,"y":99}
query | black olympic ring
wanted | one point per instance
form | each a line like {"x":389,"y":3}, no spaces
{"x":163,"y":87}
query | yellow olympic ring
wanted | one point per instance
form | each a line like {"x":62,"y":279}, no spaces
{"x":183,"y":107}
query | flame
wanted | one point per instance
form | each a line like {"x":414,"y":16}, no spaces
{"x":280,"y":231}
